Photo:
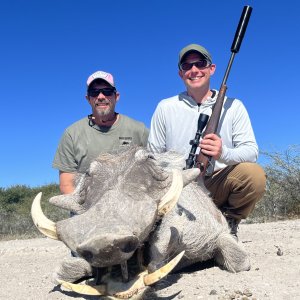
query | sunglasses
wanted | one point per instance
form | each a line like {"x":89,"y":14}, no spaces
{"x":200,"y":64}
{"x":104,"y":91}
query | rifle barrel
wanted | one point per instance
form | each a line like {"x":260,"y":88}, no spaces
{"x":212,"y":125}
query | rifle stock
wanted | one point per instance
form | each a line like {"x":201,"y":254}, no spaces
{"x":202,"y":160}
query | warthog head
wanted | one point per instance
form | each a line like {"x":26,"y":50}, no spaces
{"x":116,"y":204}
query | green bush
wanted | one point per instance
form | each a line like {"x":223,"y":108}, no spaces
{"x":14,"y":195}
{"x":15,"y":206}
{"x":282,"y":197}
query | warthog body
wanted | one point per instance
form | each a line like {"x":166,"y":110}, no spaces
{"x":116,"y":206}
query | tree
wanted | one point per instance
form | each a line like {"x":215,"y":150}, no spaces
{"x":282,"y":197}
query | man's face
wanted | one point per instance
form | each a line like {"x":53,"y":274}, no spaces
{"x":102,"y":105}
{"x":196,"y":77}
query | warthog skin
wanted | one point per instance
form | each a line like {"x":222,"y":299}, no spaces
{"x":116,"y":212}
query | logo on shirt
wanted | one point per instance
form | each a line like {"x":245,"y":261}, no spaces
{"x":125,"y":141}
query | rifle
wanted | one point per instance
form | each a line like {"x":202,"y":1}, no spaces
{"x":202,"y":120}
{"x":203,"y":160}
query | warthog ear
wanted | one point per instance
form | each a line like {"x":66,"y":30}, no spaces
{"x":69,"y":202}
{"x":190,"y":175}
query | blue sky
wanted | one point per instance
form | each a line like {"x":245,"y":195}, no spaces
{"x":50,"y":47}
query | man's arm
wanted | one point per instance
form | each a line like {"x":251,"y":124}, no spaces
{"x":66,"y":182}
{"x":244,"y":147}
{"x":238,"y":143}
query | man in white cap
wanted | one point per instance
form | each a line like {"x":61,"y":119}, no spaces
{"x":235,"y":181}
{"x":103,"y":131}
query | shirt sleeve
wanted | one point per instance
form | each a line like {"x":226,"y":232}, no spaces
{"x":244,"y":147}
{"x":64,"y":159}
{"x":157,"y":136}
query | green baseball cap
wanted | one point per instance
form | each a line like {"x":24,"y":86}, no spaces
{"x":194,"y":48}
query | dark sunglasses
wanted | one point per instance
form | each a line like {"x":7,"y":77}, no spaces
{"x":200,"y":64}
{"x":104,"y":91}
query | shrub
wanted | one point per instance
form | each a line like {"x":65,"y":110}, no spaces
{"x":15,"y":205}
{"x":282,"y":197}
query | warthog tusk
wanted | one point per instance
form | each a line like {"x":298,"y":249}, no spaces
{"x":101,"y":290}
{"x":43,"y":224}
{"x":170,"y":199}
{"x":143,"y":279}
{"x":97,"y":290}
{"x":124,"y":269}
{"x":137,"y":285}
{"x":163,"y":271}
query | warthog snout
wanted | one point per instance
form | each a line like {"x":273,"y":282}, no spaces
{"x":128,"y":245}
{"x":101,"y":251}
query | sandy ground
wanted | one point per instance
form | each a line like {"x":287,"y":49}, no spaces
{"x":274,"y":248}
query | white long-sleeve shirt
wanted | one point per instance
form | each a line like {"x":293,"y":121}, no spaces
{"x":175,"y":120}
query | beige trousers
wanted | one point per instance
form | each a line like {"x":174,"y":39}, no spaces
{"x":236,"y":189}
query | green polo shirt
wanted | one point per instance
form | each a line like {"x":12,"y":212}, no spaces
{"x":83,"y":141}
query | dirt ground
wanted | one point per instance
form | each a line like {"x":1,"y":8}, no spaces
{"x":26,"y":268}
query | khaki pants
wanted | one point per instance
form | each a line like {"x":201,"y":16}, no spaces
{"x":236,"y":189}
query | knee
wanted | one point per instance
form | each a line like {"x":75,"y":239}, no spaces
{"x":254,"y":176}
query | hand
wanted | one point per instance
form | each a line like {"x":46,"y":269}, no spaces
{"x":211,"y":145}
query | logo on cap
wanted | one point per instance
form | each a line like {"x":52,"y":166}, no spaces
{"x":100,"y":74}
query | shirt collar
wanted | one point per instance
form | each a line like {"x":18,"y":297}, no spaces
{"x":192,"y":103}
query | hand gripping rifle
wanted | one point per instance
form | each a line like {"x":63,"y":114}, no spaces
{"x":201,"y":160}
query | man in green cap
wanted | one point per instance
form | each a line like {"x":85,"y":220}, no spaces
{"x":234,"y":180}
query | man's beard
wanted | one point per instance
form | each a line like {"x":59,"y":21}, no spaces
{"x":109,"y":111}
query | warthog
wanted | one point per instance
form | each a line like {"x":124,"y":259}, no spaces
{"x":138,"y":202}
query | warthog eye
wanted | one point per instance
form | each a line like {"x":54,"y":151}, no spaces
{"x":151,"y":156}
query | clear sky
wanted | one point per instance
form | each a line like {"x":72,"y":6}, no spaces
{"x":50,"y":47}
